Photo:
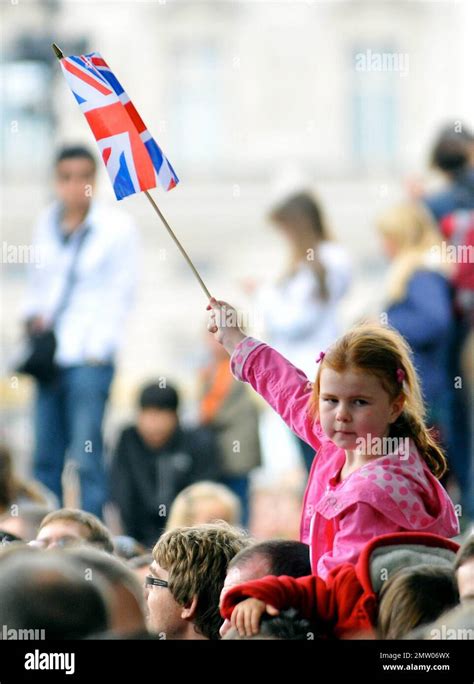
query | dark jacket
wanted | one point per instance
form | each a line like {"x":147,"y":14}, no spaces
{"x":235,"y":423}
{"x":456,"y":196}
{"x":347,"y":601}
{"x":424,"y":318}
{"x":145,"y":481}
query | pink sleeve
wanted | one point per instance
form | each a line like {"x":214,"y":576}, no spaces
{"x":358,"y":525}
{"x":283,"y":386}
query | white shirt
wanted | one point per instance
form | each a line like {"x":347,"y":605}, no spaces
{"x":91,"y":326}
{"x":298,"y":323}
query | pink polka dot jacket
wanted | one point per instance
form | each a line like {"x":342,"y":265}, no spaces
{"x":394,"y":493}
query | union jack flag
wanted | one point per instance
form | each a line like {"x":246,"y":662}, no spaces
{"x":131,"y":155}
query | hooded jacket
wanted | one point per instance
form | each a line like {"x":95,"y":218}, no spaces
{"x":346,"y":603}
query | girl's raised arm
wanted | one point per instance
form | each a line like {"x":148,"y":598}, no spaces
{"x":283,"y":386}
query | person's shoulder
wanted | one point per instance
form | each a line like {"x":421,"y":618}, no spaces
{"x":343,"y":575}
{"x":128,"y":436}
{"x":46,"y":219}
{"x":441,"y":202}
{"x":338,"y":263}
{"x":199,"y":432}
{"x":334,"y":253}
{"x":427,"y":277}
{"x":197,"y":437}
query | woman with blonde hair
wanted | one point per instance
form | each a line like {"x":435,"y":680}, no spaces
{"x":419,"y":302}
{"x":204,"y":502}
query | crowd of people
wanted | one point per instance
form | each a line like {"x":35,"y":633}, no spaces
{"x":381,"y":414}
{"x":74,"y":580}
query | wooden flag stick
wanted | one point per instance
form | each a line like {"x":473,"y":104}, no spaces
{"x":59,"y":55}
{"x":178,"y":244}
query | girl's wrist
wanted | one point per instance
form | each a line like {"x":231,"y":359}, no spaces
{"x":233,"y":340}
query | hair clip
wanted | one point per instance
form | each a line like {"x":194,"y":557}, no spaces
{"x":321,"y":356}
{"x":400,"y":375}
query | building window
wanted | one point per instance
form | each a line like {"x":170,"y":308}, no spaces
{"x":195,"y":109}
{"x":27,"y":117}
{"x":376,"y":74}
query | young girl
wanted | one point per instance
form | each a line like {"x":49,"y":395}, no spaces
{"x":377,"y":466}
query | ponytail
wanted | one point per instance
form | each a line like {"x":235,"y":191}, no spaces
{"x":409,"y":425}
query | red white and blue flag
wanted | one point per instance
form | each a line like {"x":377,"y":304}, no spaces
{"x":132,"y":157}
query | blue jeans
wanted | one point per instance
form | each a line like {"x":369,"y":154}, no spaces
{"x":239,"y":484}
{"x":68,"y":419}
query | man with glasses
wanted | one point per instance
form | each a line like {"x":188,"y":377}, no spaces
{"x":186,"y":579}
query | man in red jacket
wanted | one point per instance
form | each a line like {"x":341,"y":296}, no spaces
{"x":346,"y":603}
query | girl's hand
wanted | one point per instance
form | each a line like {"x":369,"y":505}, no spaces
{"x":247,"y":614}
{"x":223,"y":323}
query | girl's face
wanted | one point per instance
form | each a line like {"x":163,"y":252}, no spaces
{"x":354,"y":404}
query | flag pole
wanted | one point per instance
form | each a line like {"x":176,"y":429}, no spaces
{"x":59,"y":54}
{"x":178,"y":244}
{"x":57,"y":51}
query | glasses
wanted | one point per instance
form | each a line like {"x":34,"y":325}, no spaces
{"x":60,"y":542}
{"x":155,"y":582}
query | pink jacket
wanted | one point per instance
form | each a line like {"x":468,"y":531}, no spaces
{"x":393,"y":493}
